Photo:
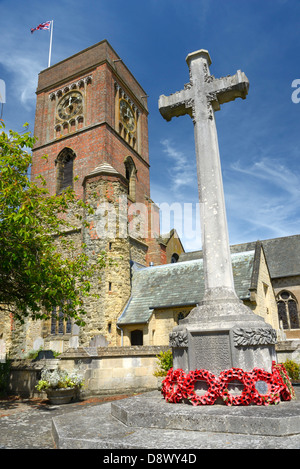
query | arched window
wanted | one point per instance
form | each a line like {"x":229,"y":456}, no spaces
{"x":136,"y":337}
{"x":130,"y":174}
{"x":174,"y":258}
{"x":59,"y":325}
{"x":180,"y":316}
{"x":288,"y":310}
{"x":64,"y":164}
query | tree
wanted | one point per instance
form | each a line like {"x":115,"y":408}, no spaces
{"x":36,"y":277}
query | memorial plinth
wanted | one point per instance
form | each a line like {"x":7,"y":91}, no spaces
{"x":223,"y":335}
{"x":221,"y":332}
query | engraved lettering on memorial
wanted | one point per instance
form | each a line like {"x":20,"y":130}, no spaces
{"x":213,"y":349}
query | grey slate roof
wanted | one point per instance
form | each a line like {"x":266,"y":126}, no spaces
{"x":282,"y":254}
{"x":179,"y":284}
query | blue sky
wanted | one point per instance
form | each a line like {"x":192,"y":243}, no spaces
{"x":259,"y":138}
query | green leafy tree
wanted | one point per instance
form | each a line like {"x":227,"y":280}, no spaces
{"x":35,"y":276}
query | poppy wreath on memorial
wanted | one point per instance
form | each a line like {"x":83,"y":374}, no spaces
{"x":272,"y":396}
{"x":178,"y":386}
{"x":286,"y":391}
{"x":189,"y":392}
{"x":236,"y":374}
{"x":172,"y":385}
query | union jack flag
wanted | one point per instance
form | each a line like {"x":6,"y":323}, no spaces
{"x":41,"y":26}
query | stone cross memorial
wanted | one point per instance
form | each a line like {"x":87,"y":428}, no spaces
{"x":221,"y":332}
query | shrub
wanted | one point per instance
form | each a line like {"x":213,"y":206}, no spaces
{"x":164,"y":363}
{"x":293,"y":369}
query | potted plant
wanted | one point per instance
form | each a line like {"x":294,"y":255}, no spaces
{"x":60,"y":386}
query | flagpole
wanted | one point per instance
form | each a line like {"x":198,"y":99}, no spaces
{"x":50,"y":47}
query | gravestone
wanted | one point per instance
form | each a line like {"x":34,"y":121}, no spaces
{"x":38,"y":343}
{"x":45,"y":355}
{"x":221,"y":332}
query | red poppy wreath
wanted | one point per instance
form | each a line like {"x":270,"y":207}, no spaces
{"x":235,"y":374}
{"x":259,"y":386}
{"x":189,"y":384}
{"x":172,"y":385}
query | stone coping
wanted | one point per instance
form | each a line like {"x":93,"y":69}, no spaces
{"x":137,"y":350}
{"x":288,"y":345}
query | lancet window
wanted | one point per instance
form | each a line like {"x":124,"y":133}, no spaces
{"x":288,"y":312}
{"x":64,"y":163}
{"x":130,"y":174}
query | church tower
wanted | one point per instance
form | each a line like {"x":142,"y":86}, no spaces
{"x":91,"y":122}
{"x":90,"y":109}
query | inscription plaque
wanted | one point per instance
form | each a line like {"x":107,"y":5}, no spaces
{"x":262,"y":387}
{"x":211,"y":351}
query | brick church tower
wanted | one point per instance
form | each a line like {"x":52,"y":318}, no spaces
{"x":91,"y":122}
{"x":90,"y":109}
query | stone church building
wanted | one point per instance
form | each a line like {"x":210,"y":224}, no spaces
{"x":91,"y":121}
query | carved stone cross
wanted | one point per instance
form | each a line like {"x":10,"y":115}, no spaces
{"x":200,"y":98}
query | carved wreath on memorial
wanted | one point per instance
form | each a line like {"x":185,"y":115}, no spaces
{"x":179,"y":386}
{"x":259,"y":336}
{"x":178,"y":339}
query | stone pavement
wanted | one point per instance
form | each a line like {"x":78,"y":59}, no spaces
{"x":27,"y":423}
{"x":148,"y":422}
{"x":89,"y":424}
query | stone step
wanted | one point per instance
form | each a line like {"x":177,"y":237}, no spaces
{"x":148,"y":422}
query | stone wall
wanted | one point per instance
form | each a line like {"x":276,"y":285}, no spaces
{"x":106,"y":370}
{"x":288,"y":350}
{"x":113,"y":289}
{"x":163,"y":321}
{"x":110,"y":371}
{"x":265,"y":304}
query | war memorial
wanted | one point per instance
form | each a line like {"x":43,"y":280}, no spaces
{"x":225,"y":389}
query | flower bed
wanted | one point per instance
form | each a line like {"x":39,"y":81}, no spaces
{"x":259,"y":386}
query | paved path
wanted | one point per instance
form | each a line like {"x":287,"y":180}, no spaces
{"x":27,"y":423}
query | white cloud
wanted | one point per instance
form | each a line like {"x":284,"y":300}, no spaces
{"x":263,"y":200}
{"x":24,"y":79}
{"x":274,"y":173}
{"x":181,"y":172}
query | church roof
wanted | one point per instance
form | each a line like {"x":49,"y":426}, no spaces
{"x":104,"y":168}
{"x":179,"y":284}
{"x":282,"y":254}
